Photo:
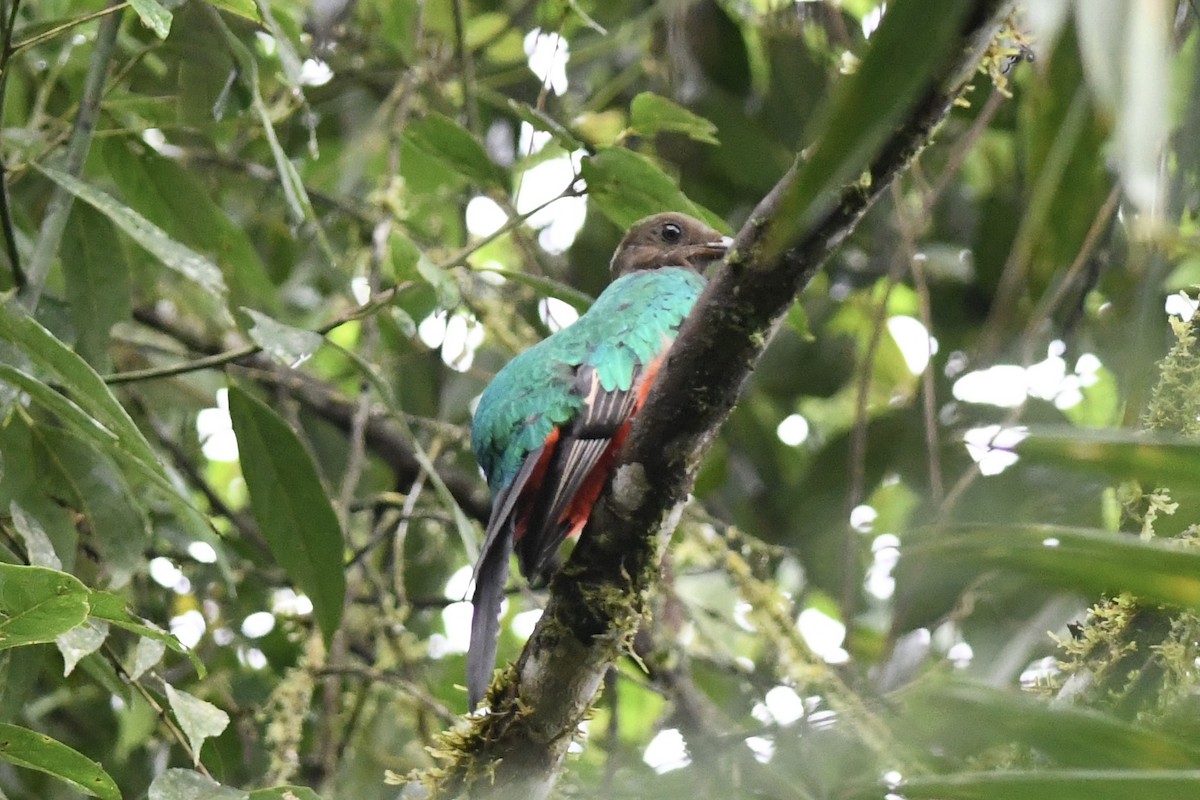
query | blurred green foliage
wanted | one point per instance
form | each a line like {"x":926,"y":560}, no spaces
{"x":358,"y":211}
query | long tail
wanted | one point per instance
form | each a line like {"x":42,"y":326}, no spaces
{"x":491,"y":575}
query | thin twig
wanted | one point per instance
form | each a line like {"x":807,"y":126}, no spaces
{"x":928,"y":386}
{"x":467,"y":65}
{"x":401,"y":532}
{"x":1045,"y":187}
{"x":1071,"y":278}
{"x":6,"y":221}
{"x":961,"y":148}
{"x":858,"y":440}
{"x":1036,"y":321}
{"x":376,"y":303}
{"x":50,"y":33}
{"x":59,"y":207}
{"x":245,"y":527}
{"x":162,"y":713}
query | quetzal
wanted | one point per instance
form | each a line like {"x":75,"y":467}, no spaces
{"x":548,"y":427}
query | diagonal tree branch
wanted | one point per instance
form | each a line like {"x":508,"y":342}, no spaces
{"x":598,"y":598}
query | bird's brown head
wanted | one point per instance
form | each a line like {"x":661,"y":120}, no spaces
{"x":668,"y":240}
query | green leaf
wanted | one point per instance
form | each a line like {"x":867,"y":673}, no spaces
{"x":154,"y":16}
{"x":443,"y":139}
{"x":38,"y":546}
{"x":87,"y":476}
{"x":285,"y":793}
{"x":37,"y":604}
{"x":289,"y":178}
{"x":184,"y":784}
{"x":82,"y":382}
{"x":651,"y":113}
{"x":441,"y":280}
{"x":95,"y":415}
{"x":34,"y":750}
{"x":182,"y":204}
{"x":146,"y":654}
{"x":80,"y":642}
{"x":97,"y":281}
{"x":865,"y":109}
{"x":1155,"y":460}
{"x":246,"y":9}
{"x":288,"y":58}
{"x":548,"y":287}
{"x":1071,"y":737}
{"x":626,"y":187}
{"x":291,"y":505}
{"x":1089,"y":561}
{"x":1065,"y":784}
{"x":179,"y":257}
{"x":198,"y":718}
{"x":111,"y":608}
{"x":287,"y":345}
{"x":542,"y":121}
{"x":64,"y":409}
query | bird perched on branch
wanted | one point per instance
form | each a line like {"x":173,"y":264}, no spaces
{"x":548,"y":427}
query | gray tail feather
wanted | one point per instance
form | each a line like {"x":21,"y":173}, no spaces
{"x":490,"y":578}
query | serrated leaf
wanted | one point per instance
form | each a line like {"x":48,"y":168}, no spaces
{"x":650,"y":114}
{"x":1064,"y":784}
{"x":287,"y":345}
{"x":184,"y":784}
{"x":198,"y":718}
{"x":79,"y":642}
{"x":33,"y":750}
{"x":441,"y":138}
{"x":37,"y":604}
{"x":38,"y":546}
{"x":627,"y":186}
{"x":153,"y":239}
{"x":146,"y":654}
{"x":291,"y":505}
{"x":154,"y":16}
{"x":111,"y":608}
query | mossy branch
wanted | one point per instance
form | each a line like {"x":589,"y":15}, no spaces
{"x":597,"y":600}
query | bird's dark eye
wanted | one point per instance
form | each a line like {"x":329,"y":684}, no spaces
{"x":672,"y":233}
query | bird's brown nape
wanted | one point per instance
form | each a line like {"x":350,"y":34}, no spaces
{"x":668,"y":240}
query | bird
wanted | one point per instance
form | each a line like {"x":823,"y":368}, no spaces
{"x":548,"y":426}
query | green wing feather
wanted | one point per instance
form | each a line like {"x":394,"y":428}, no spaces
{"x":534,"y":393}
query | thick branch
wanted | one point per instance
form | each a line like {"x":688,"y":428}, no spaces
{"x":598,"y":597}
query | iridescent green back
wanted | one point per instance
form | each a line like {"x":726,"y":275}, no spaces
{"x":629,"y":324}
